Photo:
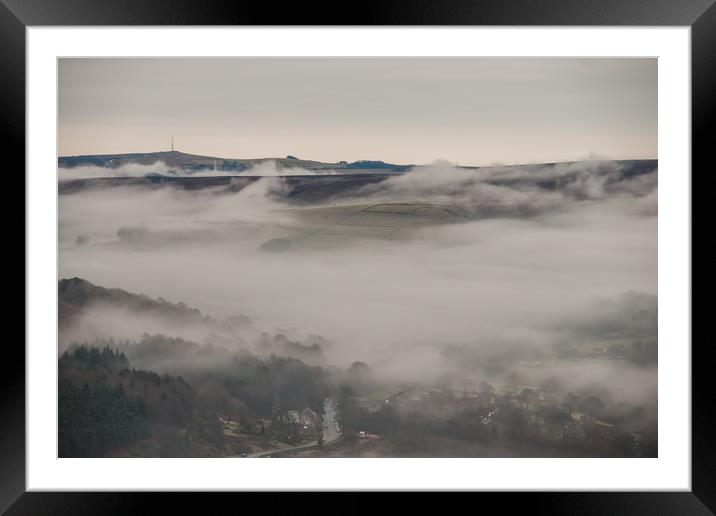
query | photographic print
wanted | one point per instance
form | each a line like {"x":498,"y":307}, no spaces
{"x":357,"y":257}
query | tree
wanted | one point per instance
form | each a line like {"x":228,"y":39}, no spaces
{"x":592,"y":406}
{"x":551,"y":384}
{"x":359,"y":374}
{"x":96,"y":418}
{"x":555,"y":416}
{"x":487,"y":389}
{"x":570,"y":401}
{"x":527,"y":396}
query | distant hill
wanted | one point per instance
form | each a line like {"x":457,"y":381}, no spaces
{"x":184,"y":161}
{"x":76,"y":294}
{"x":376,"y":165}
{"x":315,"y":188}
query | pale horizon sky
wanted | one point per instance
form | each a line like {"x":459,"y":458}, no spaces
{"x":471,"y":111}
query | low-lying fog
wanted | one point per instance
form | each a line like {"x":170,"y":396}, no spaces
{"x":524,"y":271}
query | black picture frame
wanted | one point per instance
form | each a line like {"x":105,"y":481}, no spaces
{"x":700,"y":15}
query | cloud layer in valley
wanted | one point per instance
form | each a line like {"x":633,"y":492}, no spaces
{"x":537,"y":259}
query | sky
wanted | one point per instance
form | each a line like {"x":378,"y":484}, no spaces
{"x":468,"y":111}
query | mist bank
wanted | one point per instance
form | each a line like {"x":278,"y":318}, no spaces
{"x":167,"y":396}
{"x":599,"y":400}
{"x":441,"y":180}
{"x":545,"y":250}
{"x":615,"y":358}
{"x":536,"y":273}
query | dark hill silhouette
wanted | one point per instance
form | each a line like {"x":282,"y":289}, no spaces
{"x":75,"y":294}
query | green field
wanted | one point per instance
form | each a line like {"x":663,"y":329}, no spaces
{"x":335,"y":225}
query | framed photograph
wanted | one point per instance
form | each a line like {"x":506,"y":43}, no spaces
{"x":420,"y":249}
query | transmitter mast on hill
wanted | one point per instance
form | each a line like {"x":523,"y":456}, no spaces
{"x":172,"y":144}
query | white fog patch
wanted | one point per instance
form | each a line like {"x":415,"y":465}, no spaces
{"x":498,"y":286}
{"x":159,"y":168}
{"x":270,"y":168}
{"x":515,"y":191}
{"x":129,"y":170}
